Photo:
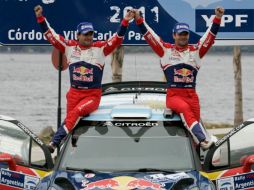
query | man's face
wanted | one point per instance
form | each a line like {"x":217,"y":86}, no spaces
{"x":85,"y":39}
{"x":181,"y":39}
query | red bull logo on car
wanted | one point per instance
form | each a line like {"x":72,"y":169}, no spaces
{"x":102,"y":184}
{"x":143,"y":184}
{"x":122,"y":183}
{"x":183,"y":75}
{"x":83,"y":74}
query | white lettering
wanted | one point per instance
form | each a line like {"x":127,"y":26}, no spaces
{"x":240,"y":19}
{"x":131,"y":34}
{"x":208,"y":20}
{"x":10,"y":35}
{"x":226,"y":19}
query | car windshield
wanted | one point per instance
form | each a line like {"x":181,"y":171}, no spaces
{"x":125,"y":145}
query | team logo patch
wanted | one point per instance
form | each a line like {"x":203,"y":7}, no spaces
{"x":76,"y":52}
{"x":183,"y":75}
{"x":83,"y":74}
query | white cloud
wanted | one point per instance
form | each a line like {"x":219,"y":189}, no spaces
{"x":48,"y":1}
{"x":196,"y":3}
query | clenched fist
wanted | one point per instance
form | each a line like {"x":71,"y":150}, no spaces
{"x":219,"y":12}
{"x":137,"y":14}
{"x":129,"y":15}
{"x":38,"y":11}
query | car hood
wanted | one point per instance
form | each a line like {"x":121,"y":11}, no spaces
{"x":128,"y":180}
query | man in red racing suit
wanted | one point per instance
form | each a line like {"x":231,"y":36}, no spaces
{"x":86,"y":62}
{"x":180,"y":63}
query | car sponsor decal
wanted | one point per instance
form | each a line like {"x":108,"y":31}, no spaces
{"x":131,"y":123}
{"x":134,"y":89}
{"x":122,"y":182}
{"x":89,"y":175}
{"x":214,"y":175}
{"x":237,"y":182}
{"x":41,"y":173}
{"x":170,"y":178}
{"x":225,"y":184}
{"x":30,"y":133}
{"x":232,"y":132}
{"x":18,"y":180}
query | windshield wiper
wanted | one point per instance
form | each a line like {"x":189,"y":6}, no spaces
{"x":151,"y":170}
{"x":86,"y":170}
{"x":156,"y":170}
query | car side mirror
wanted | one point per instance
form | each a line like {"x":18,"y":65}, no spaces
{"x":9,"y":159}
{"x":247,"y":162}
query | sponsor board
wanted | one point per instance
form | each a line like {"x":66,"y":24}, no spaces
{"x":18,"y":180}
{"x":237,"y":24}
{"x":237,"y":182}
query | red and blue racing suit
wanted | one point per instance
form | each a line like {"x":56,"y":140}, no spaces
{"x":86,"y":65}
{"x":181,"y":66}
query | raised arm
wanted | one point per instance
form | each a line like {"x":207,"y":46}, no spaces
{"x":55,"y":39}
{"x":150,"y":36}
{"x":207,"y":40}
{"x":115,"y":41}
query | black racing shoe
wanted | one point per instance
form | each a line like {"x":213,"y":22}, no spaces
{"x":51,"y":147}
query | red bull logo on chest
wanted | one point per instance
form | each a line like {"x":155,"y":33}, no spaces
{"x":183,"y":75}
{"x":83,"y":74}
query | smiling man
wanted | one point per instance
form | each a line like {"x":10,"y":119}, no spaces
{"x":86,"y":63}
{"x":181,"y":63}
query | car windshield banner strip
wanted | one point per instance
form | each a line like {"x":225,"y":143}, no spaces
{"x":232,"y":132}
{"x":134,"y":87}
{"x":28,"y":131}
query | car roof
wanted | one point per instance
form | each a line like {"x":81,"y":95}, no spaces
{"x":132,"y":98}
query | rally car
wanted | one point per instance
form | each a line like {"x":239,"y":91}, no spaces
{"x":130,"y":142}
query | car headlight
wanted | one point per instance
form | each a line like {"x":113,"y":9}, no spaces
{"x":211,"y":186}
{"x":52,"y":188}
{"x":194,"y":188}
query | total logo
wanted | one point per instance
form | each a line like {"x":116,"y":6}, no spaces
{"x":123,"y":183}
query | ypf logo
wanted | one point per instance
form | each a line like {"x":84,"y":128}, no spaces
{"x":235,"y":20}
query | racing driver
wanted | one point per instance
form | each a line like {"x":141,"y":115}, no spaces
{"x":181,"y":63}
{"x":86,"y":62}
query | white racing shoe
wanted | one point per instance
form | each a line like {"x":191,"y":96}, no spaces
{"x":206,"y":144}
